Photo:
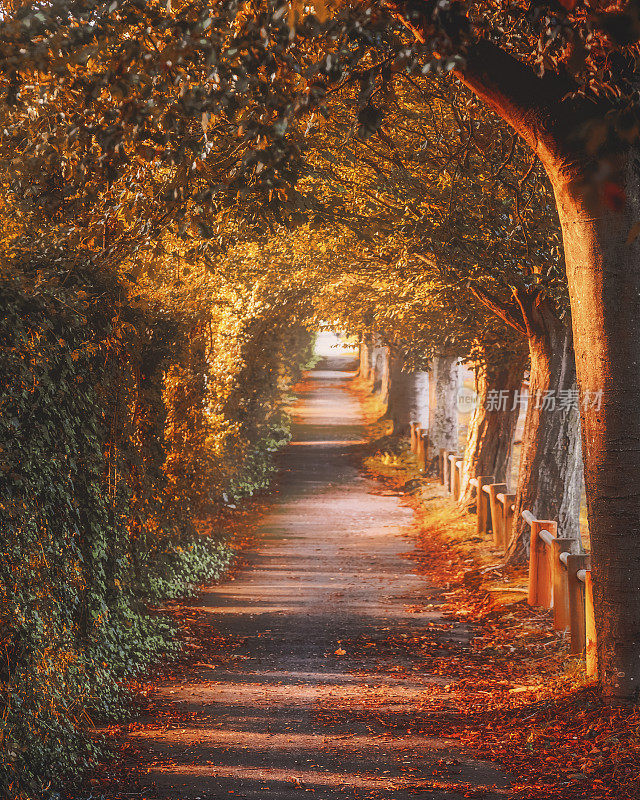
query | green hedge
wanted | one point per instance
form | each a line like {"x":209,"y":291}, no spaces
{"x":90,"y":535}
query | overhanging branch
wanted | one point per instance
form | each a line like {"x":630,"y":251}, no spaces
{"x":508,"y":312}
{"x":538,"y":108}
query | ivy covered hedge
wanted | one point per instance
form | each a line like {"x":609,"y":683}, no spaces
{"x":124,"y":423}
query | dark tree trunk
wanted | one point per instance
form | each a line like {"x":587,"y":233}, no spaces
{"x":550,"y":472}
{"x":493,"y":424}
{"x":408,"y":396}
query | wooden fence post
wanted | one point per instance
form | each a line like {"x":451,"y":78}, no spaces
{"x":452,"y":473}
{"x":482,"y":504}
{"x":457,"y":478}
{"x":496,"y":513}
{"x":441,"y":463}
{"x":540,"y":589}
{"x":445,"y":469}
{"x":424,"y":451}
{"x":561,"y":615}
{"x":419,"y":451}
{"x":576,"y":601}
{"x":507,"y":519}
{"x":591,"y":653}
{"x":412,"y":436}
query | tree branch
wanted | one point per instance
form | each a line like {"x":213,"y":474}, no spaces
{"x":536,"y":107}
{"x":508,"y":312}
{"x":544,"y":111}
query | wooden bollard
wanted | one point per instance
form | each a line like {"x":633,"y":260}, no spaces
{"x":452,"y":474}
{"x":444,"y":455}
{"x":412,"y":435}
{"x":540,"y":590}
{"x":417,"y":433}
{"x":483,"y":506}
{"x":423,"y":450}
{"x":591,"y":650}
{"x":507,"y":518}
{"x":560,"y":582}
{"x":420,"y":452}
{"x":497,"y":513}
{"x":457,"y":478}
{"x":576,"y":602}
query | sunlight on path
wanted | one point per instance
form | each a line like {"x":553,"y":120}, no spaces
{"x":314,"y":690}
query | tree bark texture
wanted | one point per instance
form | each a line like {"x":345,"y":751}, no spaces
{"x":408,"y":397}
{"x":443,"y":405}
{"x":550,"y":472}
{"x":493,"y":423}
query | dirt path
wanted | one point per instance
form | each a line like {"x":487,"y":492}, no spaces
{"x":318,"y":693}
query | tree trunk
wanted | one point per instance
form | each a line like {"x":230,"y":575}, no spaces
{"x":550,"y":472}
{"x":443,"y":405}
{"x":603,"y":270}
{"x":380,"y":372}
{"x":365,"y":359}
{"x":493,"y":424}
{"x":408,"y":397}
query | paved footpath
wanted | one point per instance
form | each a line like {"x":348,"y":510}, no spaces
{"x":314,"y":701}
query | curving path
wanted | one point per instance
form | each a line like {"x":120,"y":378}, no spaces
{"x":318,"y":695}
